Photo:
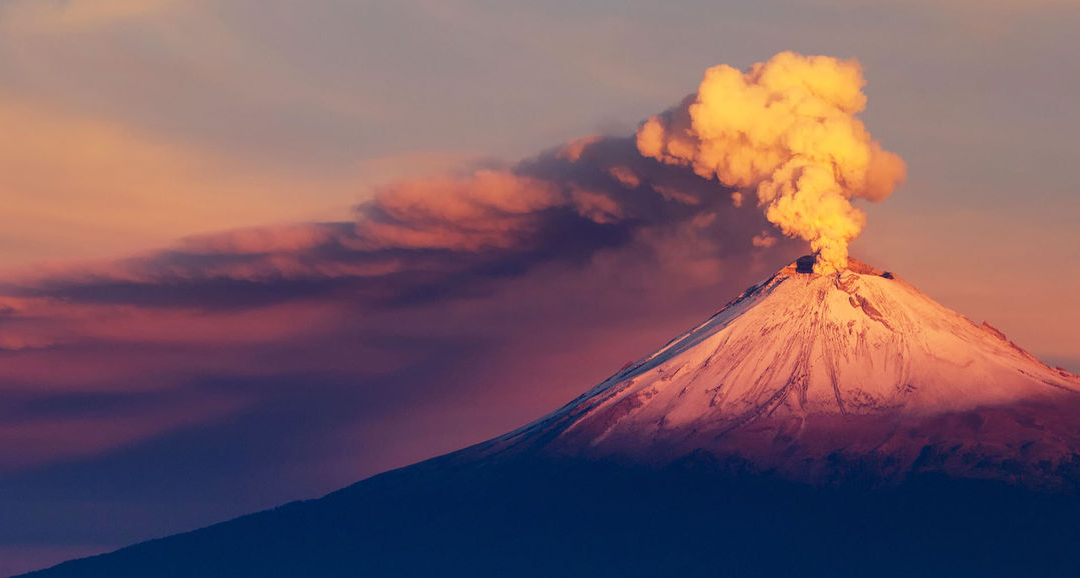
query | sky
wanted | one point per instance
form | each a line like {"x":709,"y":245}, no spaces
{"x":254,"y":251}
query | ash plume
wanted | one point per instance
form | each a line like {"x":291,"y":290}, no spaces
{"x":788,"y":128}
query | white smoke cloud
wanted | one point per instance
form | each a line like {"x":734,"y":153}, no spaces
{"x":789,"y":129}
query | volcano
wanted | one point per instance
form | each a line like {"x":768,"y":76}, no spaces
{"x":840,"y":424}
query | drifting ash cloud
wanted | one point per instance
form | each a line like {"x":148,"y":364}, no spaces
{"x":433,"y":236}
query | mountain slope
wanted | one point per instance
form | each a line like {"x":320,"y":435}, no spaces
{"x":537,"y":517}
{"x":840,"y":425}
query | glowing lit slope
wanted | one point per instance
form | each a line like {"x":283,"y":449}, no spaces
{"x":805,"y":370}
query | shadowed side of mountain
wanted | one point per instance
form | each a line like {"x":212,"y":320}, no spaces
{"x":700,"y":516}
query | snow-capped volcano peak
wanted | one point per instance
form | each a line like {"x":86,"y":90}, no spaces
{"x":796,"y":355}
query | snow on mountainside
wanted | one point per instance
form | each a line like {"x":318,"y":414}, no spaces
{"x":803,"y":374}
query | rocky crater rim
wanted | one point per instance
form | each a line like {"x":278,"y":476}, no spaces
{"x":805,"y":265}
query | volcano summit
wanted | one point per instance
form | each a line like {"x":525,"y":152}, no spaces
{"x":818,"y":424}
{"x":804,"y":368}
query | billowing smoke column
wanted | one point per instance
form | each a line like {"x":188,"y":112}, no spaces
{"x":788,"y":127}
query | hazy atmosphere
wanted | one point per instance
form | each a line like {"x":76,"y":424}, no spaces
{"x":255,"y":251}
